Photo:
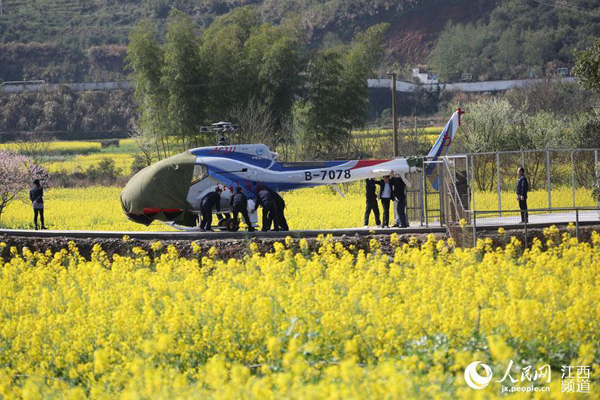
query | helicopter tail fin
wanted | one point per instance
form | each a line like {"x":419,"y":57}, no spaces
{"x":442,"y":145}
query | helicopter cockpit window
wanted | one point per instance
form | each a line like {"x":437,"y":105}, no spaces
{"x":200,"y":172}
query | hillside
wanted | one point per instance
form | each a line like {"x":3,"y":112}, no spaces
{"x":74,"y":40}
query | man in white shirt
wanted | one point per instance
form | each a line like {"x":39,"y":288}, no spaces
{"x":385,"y":195}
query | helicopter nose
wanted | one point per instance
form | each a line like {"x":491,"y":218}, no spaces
{"x":131,"y":200}
{"x":159,"y":192}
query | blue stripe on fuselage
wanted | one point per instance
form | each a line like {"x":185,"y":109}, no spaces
{"x":237,"y":156}
{"x":326,"y":164}
{"x":230,"y":179}
{"x":262,"y":162}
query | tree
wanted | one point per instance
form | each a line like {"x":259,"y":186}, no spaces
{"x":363,"y":55}
{"x":184,"y":77}
{"x":508,"y":54}
{"x":457,"y":51}
{"x":279,"y":76}
{"x":490,"y":125}
{"x":17,"y":173}
{"x":146,"y":58}
{"x":587,"y":67}
{"x":233,"y":72}
{"x":257,"y":125}
{"x":252,"y":62}
{"x":584,"y":133}
{"x":323,"y":127}
{"x":337,"y":98}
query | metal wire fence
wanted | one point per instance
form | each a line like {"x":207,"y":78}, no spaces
{"x":557,"y":178}
{"x":479,"y":190}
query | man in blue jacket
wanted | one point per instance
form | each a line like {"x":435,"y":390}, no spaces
{"x":522,"y":189}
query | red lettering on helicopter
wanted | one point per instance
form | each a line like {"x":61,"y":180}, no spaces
{"x":223,"y":150}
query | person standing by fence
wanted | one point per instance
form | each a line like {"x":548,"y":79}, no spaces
{"x":522,"y":189}
{"x":399,"y":190}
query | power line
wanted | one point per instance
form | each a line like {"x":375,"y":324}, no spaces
{"x":568,"y":7}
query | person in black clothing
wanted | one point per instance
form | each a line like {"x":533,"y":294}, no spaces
{"x":399,"y":191}
{"x":522,"y":189}
{"x":239,"y":204}
{"x":266,"y":200}
{"x":370,"y":186}
{"x":385,"y":195}
{"x":206,"y":206}
{"x":280,"y":203}
{"x":462,"y":186}
{"x":36,"y":195}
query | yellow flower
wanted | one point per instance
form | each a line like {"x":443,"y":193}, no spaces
{"x":394,"y":239}
{"x":156,"y":246}
{"x":335,"y":320}
{"x":289,"y":241}
{"x":196,"y":249}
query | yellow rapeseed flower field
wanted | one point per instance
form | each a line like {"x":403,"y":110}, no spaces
{"x":91,"y":208}
{"x":59,"y":147}
{"x":331,"y":323}
{"x":74,"y":156}
{"x":80,"y":163}
{"x":560,"y":197}
{"x":98,"y":208}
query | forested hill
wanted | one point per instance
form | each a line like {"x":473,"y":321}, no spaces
{"x":74,"y":40}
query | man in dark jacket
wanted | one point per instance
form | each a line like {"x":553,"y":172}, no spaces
{"x":239,"y":204}
{"x":266,"y":200}
{"x":36,"y":195}
{"x":399,"y":191}
{"x":522,"y":189}
{"x":280,"y":204}
{"x":370,"y":186}
{"x":211,"y":200}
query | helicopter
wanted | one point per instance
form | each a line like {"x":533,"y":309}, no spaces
{"x":172,"y":189}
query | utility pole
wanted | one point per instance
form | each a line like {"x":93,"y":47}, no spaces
{"x":394,"y":108}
